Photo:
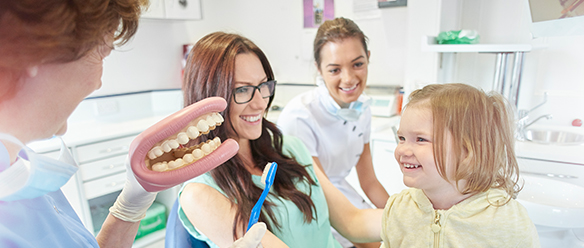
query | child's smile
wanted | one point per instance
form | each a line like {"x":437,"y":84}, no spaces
{"x":415,"y":150}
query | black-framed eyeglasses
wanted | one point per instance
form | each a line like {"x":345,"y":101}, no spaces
{"x":244,"y":94}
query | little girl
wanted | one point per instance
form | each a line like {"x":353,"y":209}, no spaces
{"x":456,"y":153}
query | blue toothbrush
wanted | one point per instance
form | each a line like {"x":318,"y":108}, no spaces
{"x":268,"y":179}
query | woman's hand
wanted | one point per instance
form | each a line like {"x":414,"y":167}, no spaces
{"x":344,"y":216}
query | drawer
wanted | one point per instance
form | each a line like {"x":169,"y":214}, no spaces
{"x":104,"y":149}
{"x":104,"y":186}
{"x":103,"y":167}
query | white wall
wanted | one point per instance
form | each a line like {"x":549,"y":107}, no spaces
{"x":556,"y":69}
{"x":152,"y":59}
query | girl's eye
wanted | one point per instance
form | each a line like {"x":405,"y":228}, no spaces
{"x":359,"y":64}
{"x":333,"y":71}
{"x":401,"y":138}
{"x":421,"y":139}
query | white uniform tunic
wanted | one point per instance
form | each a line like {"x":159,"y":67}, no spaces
{"x":337,"y":143}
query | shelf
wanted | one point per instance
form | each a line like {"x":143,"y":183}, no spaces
{"x":429,"y":45}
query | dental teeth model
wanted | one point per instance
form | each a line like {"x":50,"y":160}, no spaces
{"x":198,"y":151}
{"x":166,"y":155}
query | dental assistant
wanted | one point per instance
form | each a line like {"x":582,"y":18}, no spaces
{"x":334,"y":120}
{"x":51,"y":56}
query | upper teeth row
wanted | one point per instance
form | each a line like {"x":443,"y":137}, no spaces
{"x":252,"y":118}
{"x":191,"y":132}
{"x":411,"y":166}
{"x":347,"y":89}
{"x":188,"y":158}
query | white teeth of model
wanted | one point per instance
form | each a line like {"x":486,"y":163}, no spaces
{"x":218,"y":118}
{"x":197,"y":154}
{"x":188,"y":158}
{"x":157,"y":150}
{"x":182,"y":138}
{"x":165,"y":146}
{"x":173,"y":144}
{"x":203,"y":126}
{"x":216,"y":142}
{"x":210,"y":120}
{"x":171,"y":164}
{"x":175,"y":164}
{"x":206,"y":148}
{"x":160,"y":166}
{"x":193,"y":132}
{"x":151,"y":154}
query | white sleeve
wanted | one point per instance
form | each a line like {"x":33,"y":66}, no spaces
{"x":298,"y":122}
{"x":367,"y":127}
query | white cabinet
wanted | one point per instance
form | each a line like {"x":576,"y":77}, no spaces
{"x":174,"y":9}
{"x":386,"y":167}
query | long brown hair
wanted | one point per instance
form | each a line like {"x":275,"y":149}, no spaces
{"x":210,"y":72}
{"x":482,"y":132}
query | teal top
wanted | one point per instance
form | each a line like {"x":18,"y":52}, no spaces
{"x":295,"y":232}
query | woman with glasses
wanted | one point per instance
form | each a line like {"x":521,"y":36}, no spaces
{"x":334,"y":120}
{"x":296,"y":211}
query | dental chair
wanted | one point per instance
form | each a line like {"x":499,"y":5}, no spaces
{"x":176,"y":234}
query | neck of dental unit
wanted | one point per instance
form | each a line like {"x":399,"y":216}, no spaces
{"x":445,"y":198}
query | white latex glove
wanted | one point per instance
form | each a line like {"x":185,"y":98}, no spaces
{"x":134,"y":200}
{"x":253,"y":237}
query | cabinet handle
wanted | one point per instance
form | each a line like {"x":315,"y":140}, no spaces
{"x":113,"y":184}
{"x":115,"y":149}
{"x":112,"y":166}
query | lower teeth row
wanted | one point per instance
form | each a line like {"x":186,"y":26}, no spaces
{"x":188,"y":158}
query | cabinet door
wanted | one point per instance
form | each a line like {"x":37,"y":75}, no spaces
{"x":183,"y":9}
{"x":104,"y":186}
{"x":105,"y":149}
{"x":102,"y":168}
{"x":386,"y":167}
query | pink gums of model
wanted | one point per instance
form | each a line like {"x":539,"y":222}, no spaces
{"x":153,"y":181}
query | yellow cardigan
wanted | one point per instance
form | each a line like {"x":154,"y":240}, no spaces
{"x":409,"y":220}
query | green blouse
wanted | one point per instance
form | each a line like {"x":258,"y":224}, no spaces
{"x":295,"y":232}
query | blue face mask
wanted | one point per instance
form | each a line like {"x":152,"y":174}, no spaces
{"x":352,"y":113}
{"x":32,"y":175}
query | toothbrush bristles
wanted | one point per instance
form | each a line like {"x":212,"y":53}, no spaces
{"x":265,"y":172}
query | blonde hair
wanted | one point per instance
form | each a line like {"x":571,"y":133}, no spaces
{"x":482,"y":131}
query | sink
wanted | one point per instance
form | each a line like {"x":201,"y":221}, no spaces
{"x":553,"y":137}
{"x":552,"y":203}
